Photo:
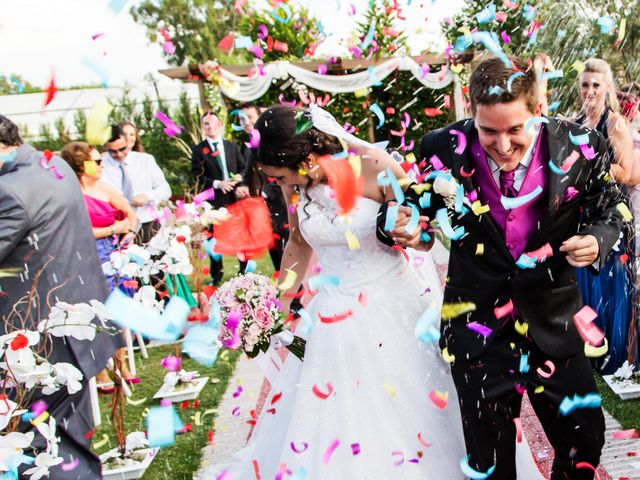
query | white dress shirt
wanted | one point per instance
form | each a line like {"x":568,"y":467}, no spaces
{"x":521,"y":169}
{"x":145,"y":176}
{"x":222,"y":158}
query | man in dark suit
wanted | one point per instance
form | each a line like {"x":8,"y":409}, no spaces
{"x":46,"y":236}
{"x":551,"y":207}
{"x":217,"y":163}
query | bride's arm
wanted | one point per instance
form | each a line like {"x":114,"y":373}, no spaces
{"x":297,"y":253}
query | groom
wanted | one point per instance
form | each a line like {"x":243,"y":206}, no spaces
{"x":520,"y":333}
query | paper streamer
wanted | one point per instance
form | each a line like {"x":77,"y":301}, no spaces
{"x":518,"y":424}
{"x":579,"y":139}
{"x":128,"y":313}
{"x":462,"y":141}
{"x":512,"y":78}
{"x":375,"y":108}
{"x":327,"y":455}
{"x":510,"y":203}
{"x":443,"y":221}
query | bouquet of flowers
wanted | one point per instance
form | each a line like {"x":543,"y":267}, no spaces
{"x":251,"y":316}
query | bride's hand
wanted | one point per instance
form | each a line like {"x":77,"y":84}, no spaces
{"x":399,"y":233}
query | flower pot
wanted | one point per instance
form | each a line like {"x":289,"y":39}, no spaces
{"x":190,"y":393}
{"x":624,"y":388}
{"x":129,"y":471}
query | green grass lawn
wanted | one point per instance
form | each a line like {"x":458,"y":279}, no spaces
{"x":627,"y":412}
{"x":181,"y":460}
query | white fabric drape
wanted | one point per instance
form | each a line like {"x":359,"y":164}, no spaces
{"x":250,"y":88}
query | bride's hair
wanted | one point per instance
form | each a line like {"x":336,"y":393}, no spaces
{"x":281,"y":146}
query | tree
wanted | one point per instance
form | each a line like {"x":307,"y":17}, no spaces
{"x":14,"y":83}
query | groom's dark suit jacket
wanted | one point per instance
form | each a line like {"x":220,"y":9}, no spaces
{"x":547,"y":295}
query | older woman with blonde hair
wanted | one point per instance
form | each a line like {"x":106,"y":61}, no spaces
{"x":612,"y":293}
{"x":113,"y":221}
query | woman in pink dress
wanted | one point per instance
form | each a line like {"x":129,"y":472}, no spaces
{"x":113,"y":221}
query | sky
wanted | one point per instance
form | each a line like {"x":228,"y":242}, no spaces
{"x":39,"y":38}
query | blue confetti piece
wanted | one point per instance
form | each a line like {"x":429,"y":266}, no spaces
{"x":9,"y":157}
{"x":287,"y":11}
{"x":561,"y":34}
{"x":510,"y":203}
{"x":534,"y":121}
{"x":606,"y":24}
{"x":201,"y":344}
{"x":524,"y":363}
{"x":525,"y":261}
{"x":427,"y":327}
{"x":425,"y":200}
{"x":318,"y":280}
{"x":425,"y":237}
{"x":375,"y":108}
{"x":17,"y":83}
{"x":300,"y":474}
{"x":392,"y":218}
{"x":512,"y":78}
{"x":305,"y":325}
{"x":551,"y":75}
{"x":98,"y":70}
{"x":496,"y":90}
{"x":117,"y":5}
{"x":251,"y":266}
{"x":579,"y":139}
{"x":412,"y":224}
{"x":162,"y":424}
{"x":467,"y":471}
{"x":528,"y":12}
{"x":130,"y":314}
{"x":443,"y":221}
{"x":591,"y":400}
{"x":395,"y":186}
{"x":487,"y":15}
{"x":209,"y":245}
{"x":458,"y":205}
{"x":369,"y":36}
{"x":554,"y":106}
{"x":243,"y":42}
{"x":556,"y":169}
{"x":372,"y":77}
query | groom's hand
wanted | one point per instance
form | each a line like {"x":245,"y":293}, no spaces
{"x":399,"y":233}
{"x":581,"y":250}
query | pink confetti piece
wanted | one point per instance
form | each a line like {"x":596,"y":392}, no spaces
{"x":569,"y":194}
{"x":447,"y":101}
{"x":292,"y":103}
{"x":544,"y":374}
{"x":479,"y":328}
{"x":422,"y":441}
{"x":263,"y":31}
{"x":327,"y":455}
{"x":504,"y":310}
{"x":38,"y":408}
{"x":305,"y":445}
{"x":571,"y":159}
{"x":505,"y":37}
{"x":462,"y":141}
{"x":588,"y":151}
{"x":589,"y":331}
{"x":625,"y":434}
{"x":355,"y":448}
{"x":588,"y":466}
{"x":436,"y":162}
{"x":518,"y":424}
{"x":322,"y":395}
{"x":472,"y":196}
{"x":169,"y":47}
{"x":171,"y":129}
{"x":399,"y":456}
{"x":439,"y":399}
{"x":256,"y":50}
{"x":424,"y":70}
{"x":208,"y":194}
{"x":236,"y":412}
{"x":322,"y":69}
{"x":254,"y":140}
{"x":96,"y":36}
{"x":541,"y":253}
{"x":44,"y":164}
{"x":238,"y":391}
{"x":72,"y":465}
{"x":171,"y":363}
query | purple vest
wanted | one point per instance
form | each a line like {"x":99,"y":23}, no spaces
{"x":517,"y":225}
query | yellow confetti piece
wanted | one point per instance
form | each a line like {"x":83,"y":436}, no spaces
{"x":578,"y":66}
{"x":539,"y":389}
{"x":595,"y":352}
{"x":480,"y":249}
{"x":478,"y":209}
{"x":98,"y":128}
{"x":101,"y":443}
{"x":390,"y":390}
{"x":352,"y":240}
{"x":448,"y":358}
{"x":210,"y":411}
{"x":512,"y":345}
{"x":90,"y":167}
{"x":356,"y":164}
{"x":361,"y":92}
{"x":289,"y":280}
{"x":302,"y":172}
{"x":622,"y":30}
{"x":411,"y":158}
{"x":423,"y":187}
{"x":456,"y":68}
{"x":135,"y":403}
{"x":624,"y":211}
{"x":40,"y":418}
{"x":145,"y":412}
{"x":464,"y":30}
{"x":521,"y":328}
{"x":452,"y":310}
{"x":404,"y":181}
{"x":197,"y":419}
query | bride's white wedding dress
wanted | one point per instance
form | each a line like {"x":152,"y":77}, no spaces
{"x":377,"y":420}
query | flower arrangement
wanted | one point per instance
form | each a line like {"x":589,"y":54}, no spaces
{"x":626,"y":373}
{"x":251,"y":316}
{"x":181,"y":380}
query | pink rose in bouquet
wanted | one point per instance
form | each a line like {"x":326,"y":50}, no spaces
{"x":263,"y":317}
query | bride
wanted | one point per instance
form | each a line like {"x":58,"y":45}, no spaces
{"x":369,"y":401}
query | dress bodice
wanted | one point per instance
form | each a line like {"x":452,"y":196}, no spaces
{"x":327,"y":233}
{"x":101,"y":213}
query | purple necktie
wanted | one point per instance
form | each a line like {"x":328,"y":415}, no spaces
{"x":506,"y":183}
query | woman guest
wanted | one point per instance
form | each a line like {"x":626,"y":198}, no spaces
{"x":612,"y":293}
{"x":112,"y":219}
{"x":132,"y":135}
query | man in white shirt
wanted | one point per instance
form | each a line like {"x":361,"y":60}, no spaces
{"x":138,"y":177}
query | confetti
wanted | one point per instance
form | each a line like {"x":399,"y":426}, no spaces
{"x":72,"y":465}
{"x":305,"y":445}
{"x":588,"y":330}
{"x":591,"y":400}
{"x":343,"y":180}
{"x":510,"y":203}
{"x":462,"y":141}
{"x":323,"y":395}
{"x":375,"y":108}
{"x":330,"y":450}
{"x":171,"y":129}
{"x":474,"y":474}
{"x":479,"y":328}
{"x":439,"y":399}
{"x":443,"y":221}
{"x":504,"y":310}
{"x":98,"y":129}
{"x":335,"y":318}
